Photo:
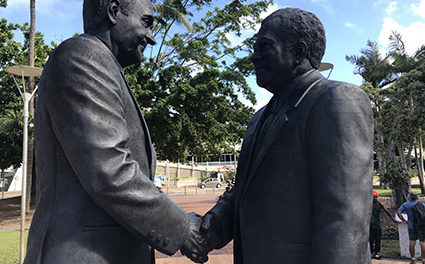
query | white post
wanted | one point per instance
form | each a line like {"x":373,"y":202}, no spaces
{"x":26,"y":98}
{"x":24,"y":71}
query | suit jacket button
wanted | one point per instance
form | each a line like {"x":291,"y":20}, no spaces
{"x":166,"y":242}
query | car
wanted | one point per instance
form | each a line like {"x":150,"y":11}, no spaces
{"x":212,"y":182}
{"x":157,"y":182}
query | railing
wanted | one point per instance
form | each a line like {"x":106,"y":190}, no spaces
{"x":191,"y":190}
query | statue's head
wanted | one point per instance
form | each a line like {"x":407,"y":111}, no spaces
{"x":127,"y":22}
{"x":289,"y":39}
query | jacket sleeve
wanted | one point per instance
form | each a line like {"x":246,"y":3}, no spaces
{"x":224,"y":210}
{"x":223,"y":213}
{"x":339,"y":135}
{"x":88,"y":117}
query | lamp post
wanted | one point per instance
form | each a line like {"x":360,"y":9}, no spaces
{"x":324,"y":66}
{"x":24,"y":71}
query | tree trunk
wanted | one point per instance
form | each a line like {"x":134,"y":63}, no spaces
{"x":420,"y":171}
{"x":31,"y":52}
{"x":3,"y":183}
{"x":402,"y":158}
{"x":421,"y":163}
{"x":400,"y":195}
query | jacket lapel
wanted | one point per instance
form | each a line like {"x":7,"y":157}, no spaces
{"x":149,"y":147}
{"x":150,"y":151}
{"x":301,"y":88}
{"x":256,"y":158}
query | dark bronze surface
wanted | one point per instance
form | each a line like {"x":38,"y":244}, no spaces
{"x":304,"y":182}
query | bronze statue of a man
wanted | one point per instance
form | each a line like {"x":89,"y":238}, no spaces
{"x":304,"y":181}
{"x":95,"y":161}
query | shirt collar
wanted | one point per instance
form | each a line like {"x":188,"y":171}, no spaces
{"x":296,"y":88}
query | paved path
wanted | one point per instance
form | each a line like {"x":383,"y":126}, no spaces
{"x":228,"y":259}
{"x":200,"y":204}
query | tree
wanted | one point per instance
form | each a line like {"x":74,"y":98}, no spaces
{"x":395,"y":91}
{"x":11,"y":139}
{"x":33,"y":52}
{"x":31,"y":86}
{"x":190,"y":89}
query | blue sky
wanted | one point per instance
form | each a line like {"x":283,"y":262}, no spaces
{"x":348,"y":24}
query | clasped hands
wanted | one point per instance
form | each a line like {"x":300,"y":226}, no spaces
{"x":202,"y":238}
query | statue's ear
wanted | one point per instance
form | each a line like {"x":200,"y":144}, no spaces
{"x":300,"y":50}
{"x":114,"y":7}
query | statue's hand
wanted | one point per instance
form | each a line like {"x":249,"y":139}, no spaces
{"x":195,"y":246}
{"x":211,"y":229}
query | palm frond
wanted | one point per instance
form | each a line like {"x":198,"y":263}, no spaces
{"x":169,"y":12}
{"x":396,"y":43}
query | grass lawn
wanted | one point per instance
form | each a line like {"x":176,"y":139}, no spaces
{"x":388,"y":192}
{"x":390,"y":248}
{"x":9,"y":247}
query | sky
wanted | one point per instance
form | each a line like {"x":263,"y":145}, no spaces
{"x":348,"y":25}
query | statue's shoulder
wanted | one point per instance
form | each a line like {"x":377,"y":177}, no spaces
{"x":82,"y":45}
{"x":341,"y":95}
{"x":339,"y":85}
{"x":339,"y":88}
{"x":257,"y":115}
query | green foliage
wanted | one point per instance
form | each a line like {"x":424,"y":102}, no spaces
{"x":371,"y":66}
{"x":11,"y":139}
{"x":14,"y":53}
{"x":389,"y":192}
{"x":3,"y":3}
{"x":229,"y":175}
{"x":396,"y":177}
{"x":10,"y":53}
{"x":190,"y":90}
{"x":396,"y":86}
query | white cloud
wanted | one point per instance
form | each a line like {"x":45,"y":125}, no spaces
{"x":391,"y":8}
{"x":325,"y":4}
{"x":410,"y":34}
{"x":378,"y":3}
{"x":419,"y":9}
{"x":17,"y":3}
{"x":354,"y":27}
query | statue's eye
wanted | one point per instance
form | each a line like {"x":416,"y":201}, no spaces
{"x":264,"y":45}
{"x":147,"y":21}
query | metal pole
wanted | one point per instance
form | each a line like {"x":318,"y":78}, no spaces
{"x":26,"y":98}
{"x":3,"y":185}
{"x":24,"y":71}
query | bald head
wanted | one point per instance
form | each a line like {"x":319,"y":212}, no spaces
{"x":95,"y":15}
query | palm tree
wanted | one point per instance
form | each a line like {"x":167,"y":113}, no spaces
{"x":168,"y":13}
{"x":31,"y":52}
{"x":371,"y":65}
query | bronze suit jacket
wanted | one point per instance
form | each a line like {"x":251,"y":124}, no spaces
{"x":304,"y":194}
{"x":95,"y":164}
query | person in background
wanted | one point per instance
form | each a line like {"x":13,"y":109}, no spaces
{"x":413,"y":233}
{"x":375,"y":226}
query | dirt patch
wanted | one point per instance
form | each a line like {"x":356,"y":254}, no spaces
{"x":10,"y":212}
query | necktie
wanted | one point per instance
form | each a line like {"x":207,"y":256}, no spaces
{"x":266,"y":122}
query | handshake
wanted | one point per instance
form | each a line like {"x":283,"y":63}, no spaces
{"x":204,"y":235}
